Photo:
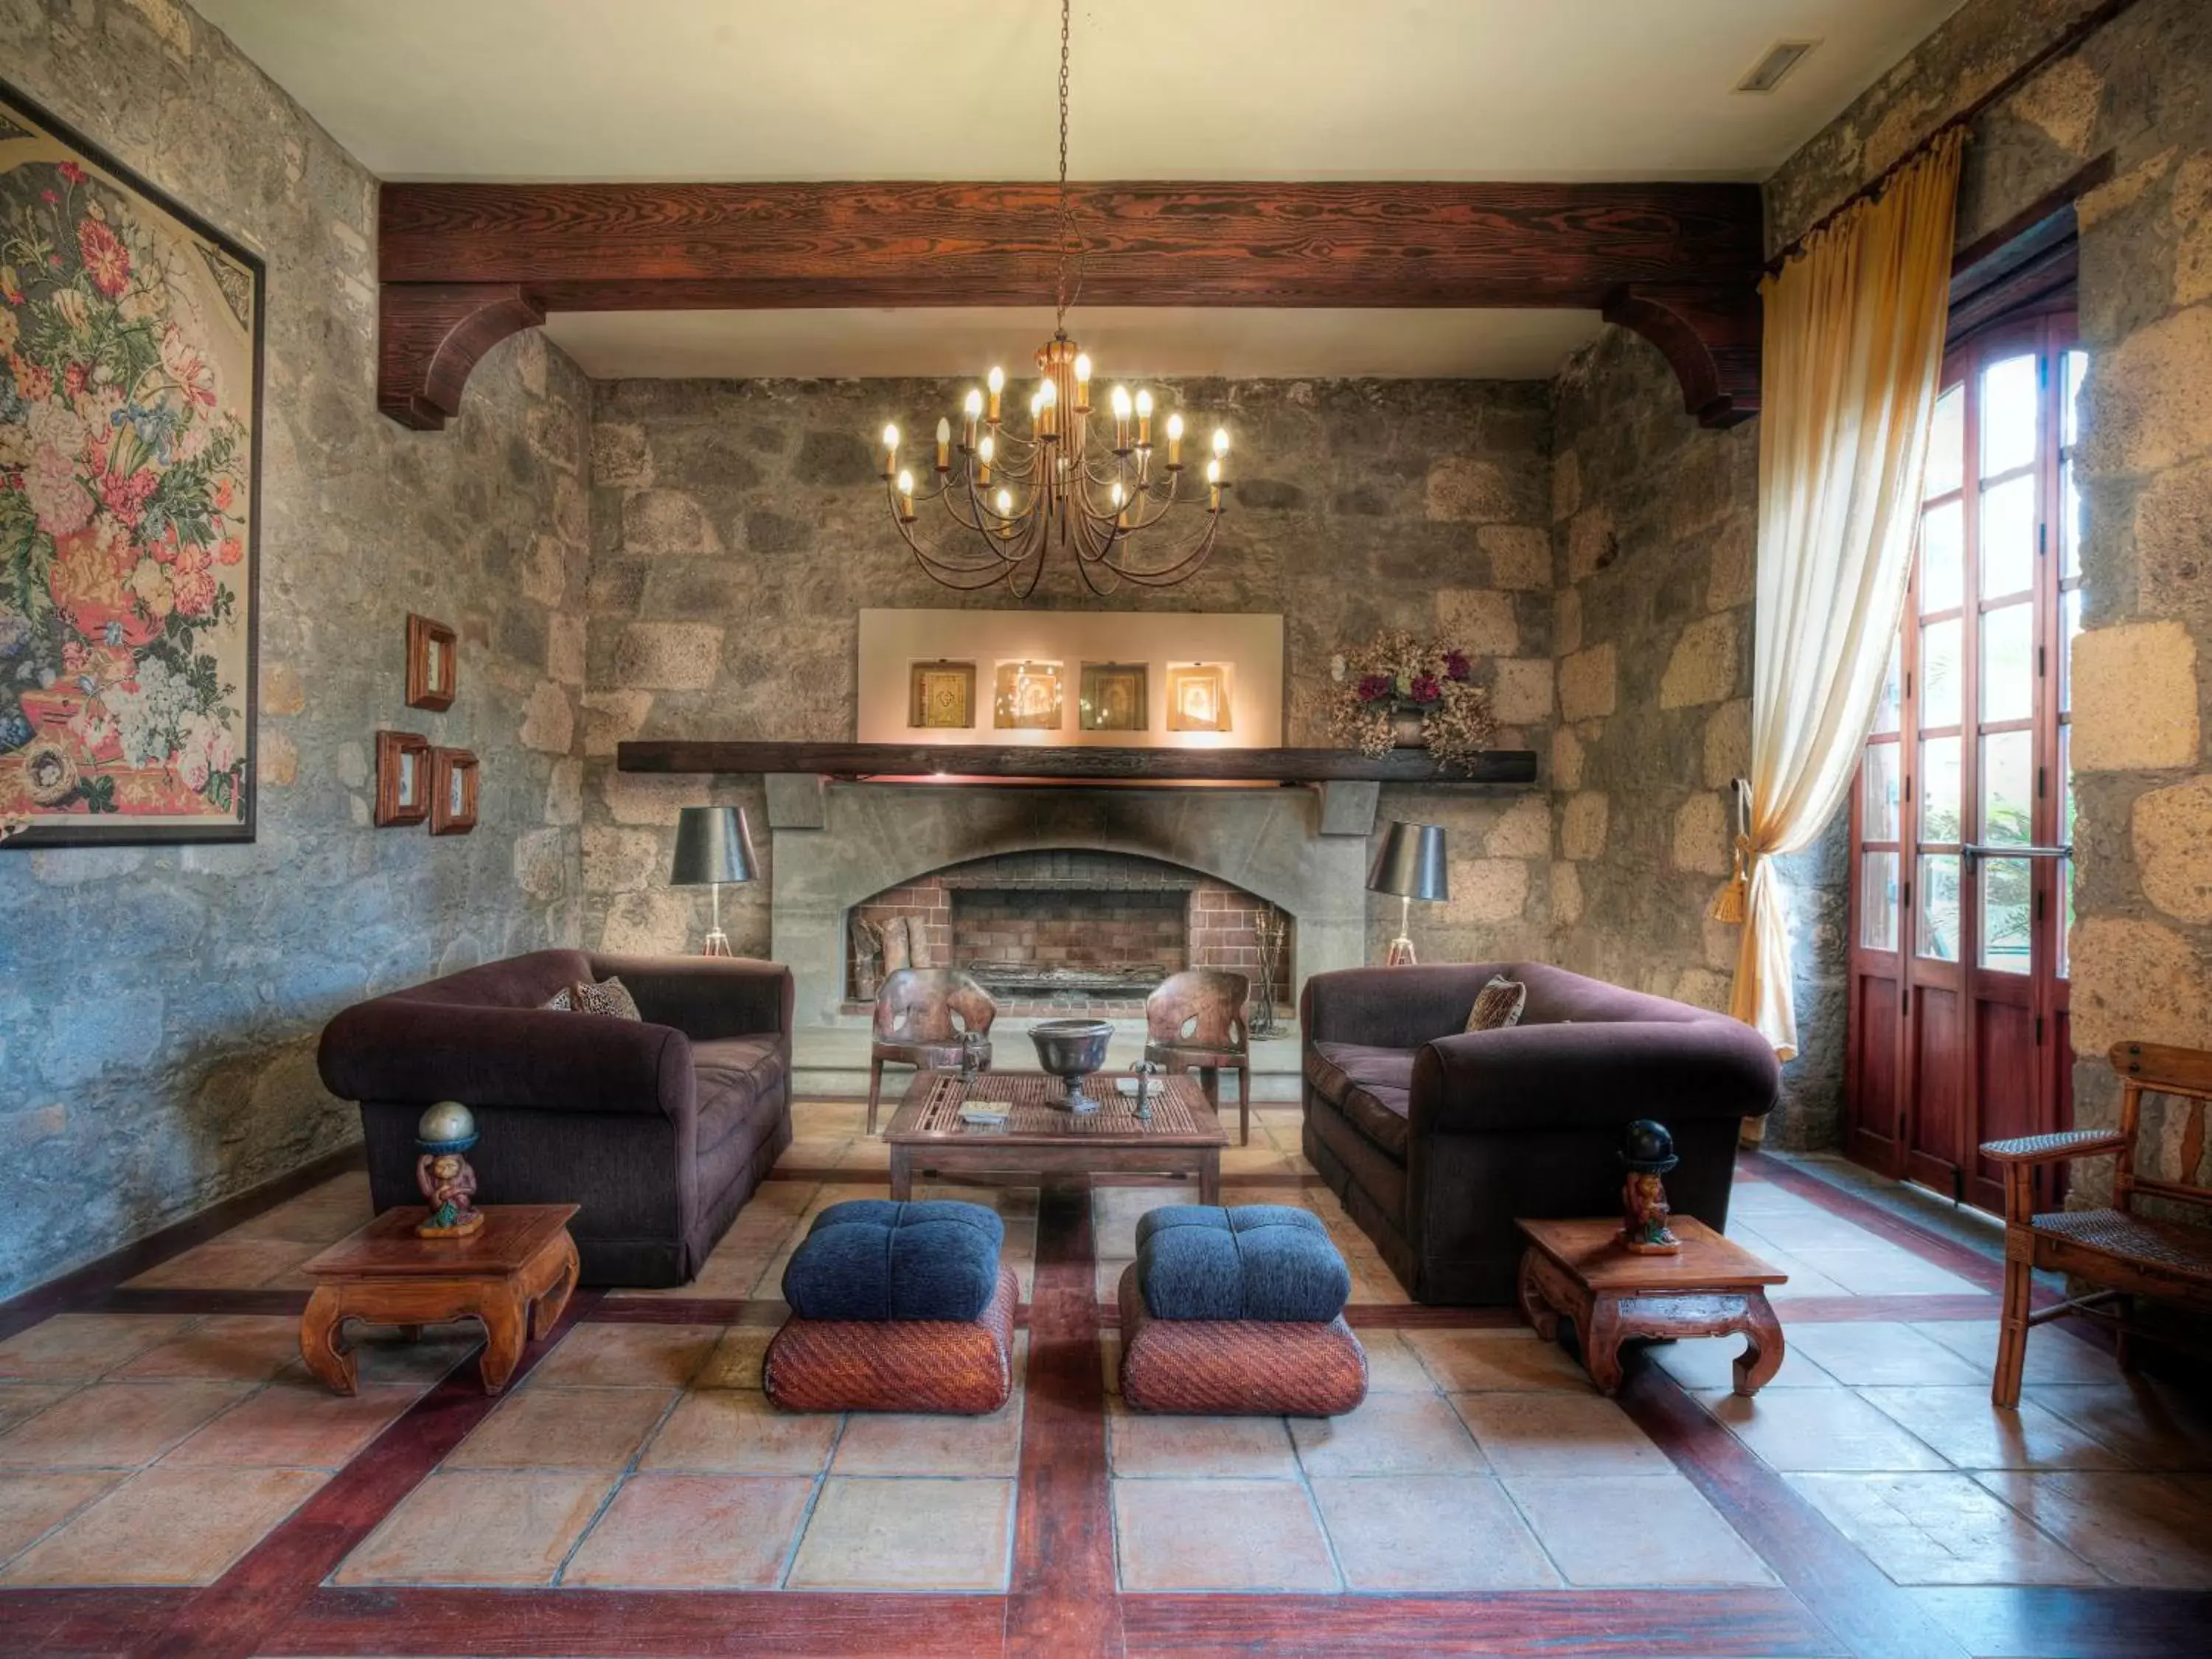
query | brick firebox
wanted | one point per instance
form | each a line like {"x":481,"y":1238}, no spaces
{"x":1019,"y":920}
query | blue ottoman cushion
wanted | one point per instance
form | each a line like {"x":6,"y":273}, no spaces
{"x":1256,"y":1261}
{"x":874,"y":1259}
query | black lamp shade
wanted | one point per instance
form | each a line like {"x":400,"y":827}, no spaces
{"x":1412,"y":863}
{"x":714,"y":844}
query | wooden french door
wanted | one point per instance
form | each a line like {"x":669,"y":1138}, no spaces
{"x":1962,"y":817}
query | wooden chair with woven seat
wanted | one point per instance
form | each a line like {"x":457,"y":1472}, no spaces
{"x":1194,"y":1021}
{"x":921,"y":1016}
{"x":2124,"y":1253}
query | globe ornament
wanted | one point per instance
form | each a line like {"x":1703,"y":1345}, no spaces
{"x":1647,"y":1148}
{"x":448,"y":1185}
{"x":447,"y":1127}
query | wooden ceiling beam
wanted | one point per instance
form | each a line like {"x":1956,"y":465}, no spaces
{"x":1678,"y":262}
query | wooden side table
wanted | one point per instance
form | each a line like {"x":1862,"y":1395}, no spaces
{"x":1578,"y":1270}
{"x":514,"y":1273}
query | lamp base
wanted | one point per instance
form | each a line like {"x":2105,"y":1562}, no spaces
{"x":1400,"y":953}
{"x":717,"y":944}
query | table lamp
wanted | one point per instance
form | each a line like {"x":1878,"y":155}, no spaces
{"x":714,"y":844}
{"x":1411,"y":866}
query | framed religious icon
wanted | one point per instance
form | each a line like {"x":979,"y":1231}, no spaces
{"x":1030,"y":697}
{"x":1198,"y":697}
{"x":1115,"y":697}
{"x":403,"y":778}
{"x":131,"y":347}
{"x":433,"y":664}
{"x":942,"y":695}
{"x":453,"y":792}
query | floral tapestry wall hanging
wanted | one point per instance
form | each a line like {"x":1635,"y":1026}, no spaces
{"x":130,"y":418}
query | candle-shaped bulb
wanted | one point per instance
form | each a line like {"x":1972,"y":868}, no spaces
{"x":906,"y":493}
{"x":975,"y":404}
{"x":1213,"y":473}
{"x":1175,"y":440}
{"x":1120,"y":505}
{"x":1082,"y":369}
{"x":985,"y":449}
{"x":1144,"y":418}
{"x":1144,"y":404}
{"x":943,"y":444}
{"x":1050,"y":393}
{"x":1120,"y":403}
{"x":1118,"y":494}
{"x":997,"y":381}
{"x":1214,"y":483}
{"x":890,"y":437}
{"x":1221,"y":441}
{"x":1006,"y":503}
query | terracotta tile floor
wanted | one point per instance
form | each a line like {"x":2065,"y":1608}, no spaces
{"x":639,"y":1453}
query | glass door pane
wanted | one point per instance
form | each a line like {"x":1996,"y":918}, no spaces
{"x":1936,"y":933}
{"x":1878,"y":907}
{"x":2007,"y":899}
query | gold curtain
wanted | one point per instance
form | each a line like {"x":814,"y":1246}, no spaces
{"x":1853,"y":359}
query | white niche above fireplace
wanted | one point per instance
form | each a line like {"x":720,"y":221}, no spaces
{"x":1124,"y":679}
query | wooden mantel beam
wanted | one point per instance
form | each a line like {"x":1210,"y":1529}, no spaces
{"x":1677,"y":262}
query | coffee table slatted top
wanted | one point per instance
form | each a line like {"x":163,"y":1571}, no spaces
{"x":930,"y":1114}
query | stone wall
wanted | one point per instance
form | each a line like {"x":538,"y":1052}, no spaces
{"x":159,"y":1006}
{"x":1654,"y":525}
{"x":2141,"y":88}
{"x":738,"y":528}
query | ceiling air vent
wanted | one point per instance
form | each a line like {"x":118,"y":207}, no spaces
{"x":1781,"y":58}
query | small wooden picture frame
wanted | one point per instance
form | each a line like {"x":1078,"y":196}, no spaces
{"x":403,"y":778}
{"x":434,"y":663}
{"x":453,"y":792}
{"x":1198,"y":697}
{"x":941,"y":695}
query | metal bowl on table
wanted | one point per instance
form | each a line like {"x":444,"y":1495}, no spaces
{"x":1072,"y":1049}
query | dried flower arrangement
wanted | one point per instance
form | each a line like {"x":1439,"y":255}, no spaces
{"x":1395,"y":674}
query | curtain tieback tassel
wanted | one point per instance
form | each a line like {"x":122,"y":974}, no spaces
{"x":1732,"y":903}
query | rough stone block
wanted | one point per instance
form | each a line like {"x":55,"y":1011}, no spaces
{"x":2192,"y":227}
{"x":2173,"y":851}
{"x":621,"y":455}
{"x":1521,"y":690}
{"x":2135,"y":981}
{"x":1567,"y":621}
{"x":1703,"y":666}
{"x":564,"y":649}
{"x":1700,"y":841}
{"x":668,"y":656}
{"x":654,"y":922}
{"x":1462,"y":490}
{"x":1487,"y":890}
{"x":2065,"y":101}
{"x":621,"y":861}
{"x":2150,"y":397}
{"x":2173,"y":541}
{"x":650,"y":798}
{"x":660,"y":521}
{"x":564,"y":792}
{"x":1479,"y":620}
{"x":540,"y":868}
{"x":281,"y":692}
{"x":1566,"y":484}
{"x":1728,"y":744}
{"x":1520,"y":556}
{"x":545,"y":570}
{"x":1523,"y":832}
{"x":1566,"y":895}
{"x":548,"y":723}
{"x":1589,"y":684}
{"x":612,"y":717}
{"x":2134,"y":698}
{"x":1566,"y":760}
{"x":1702,"y":987}
{"x":1735,"y":543}
{"x":277,"y":760}
{"x":1592,"y":543}
{"x":1582,"y":826}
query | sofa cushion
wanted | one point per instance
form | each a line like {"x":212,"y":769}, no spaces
{"x":735,"y":1075}
{"x":1254,"y":1262}
{"x":872,"y":1258}
{"x":1498,"y":1005}
{"x":1372,"y":1087}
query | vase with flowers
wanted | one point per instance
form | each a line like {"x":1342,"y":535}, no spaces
{"x":1397,"y":691}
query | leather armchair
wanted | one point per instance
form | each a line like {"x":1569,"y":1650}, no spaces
{"x":660,"y":1128}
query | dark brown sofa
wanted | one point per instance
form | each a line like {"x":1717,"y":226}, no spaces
{"x":660,"y":1129}
{"x":1436,"y":1138}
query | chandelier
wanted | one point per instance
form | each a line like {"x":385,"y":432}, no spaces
{"x":1099,"y":487}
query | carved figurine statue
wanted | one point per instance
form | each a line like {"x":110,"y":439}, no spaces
{"x":1148,"y":1084}
{"x":448,"y":1183}
{"x":1648,"y":1151}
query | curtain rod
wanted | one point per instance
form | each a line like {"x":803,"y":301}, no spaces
{"x":2074,"y":36}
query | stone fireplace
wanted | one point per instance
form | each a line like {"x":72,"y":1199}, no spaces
{"x":1081,"y":879}
{"x":1072,"y":931}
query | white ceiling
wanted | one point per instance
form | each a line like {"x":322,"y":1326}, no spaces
{"x":1126,"y":343}
{"x":1255,"y":89}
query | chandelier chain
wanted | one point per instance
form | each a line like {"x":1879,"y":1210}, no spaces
{"x":1070,"y":235}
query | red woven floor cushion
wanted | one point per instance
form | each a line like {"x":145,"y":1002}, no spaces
{"x":1237,"y":1367}
{"x":954,"y":1366}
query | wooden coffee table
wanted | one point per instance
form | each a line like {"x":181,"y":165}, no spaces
{"x":514,"y":1273}
{"x":1042,"y":1138}
{"x":1578,"y":1270}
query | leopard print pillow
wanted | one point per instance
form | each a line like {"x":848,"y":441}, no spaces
{"x":610,"y":998}
{"x":1497,"y":1005}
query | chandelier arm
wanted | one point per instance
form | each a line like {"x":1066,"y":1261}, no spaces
{"x":1182,"y":570}
{"x":947,"y":573}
